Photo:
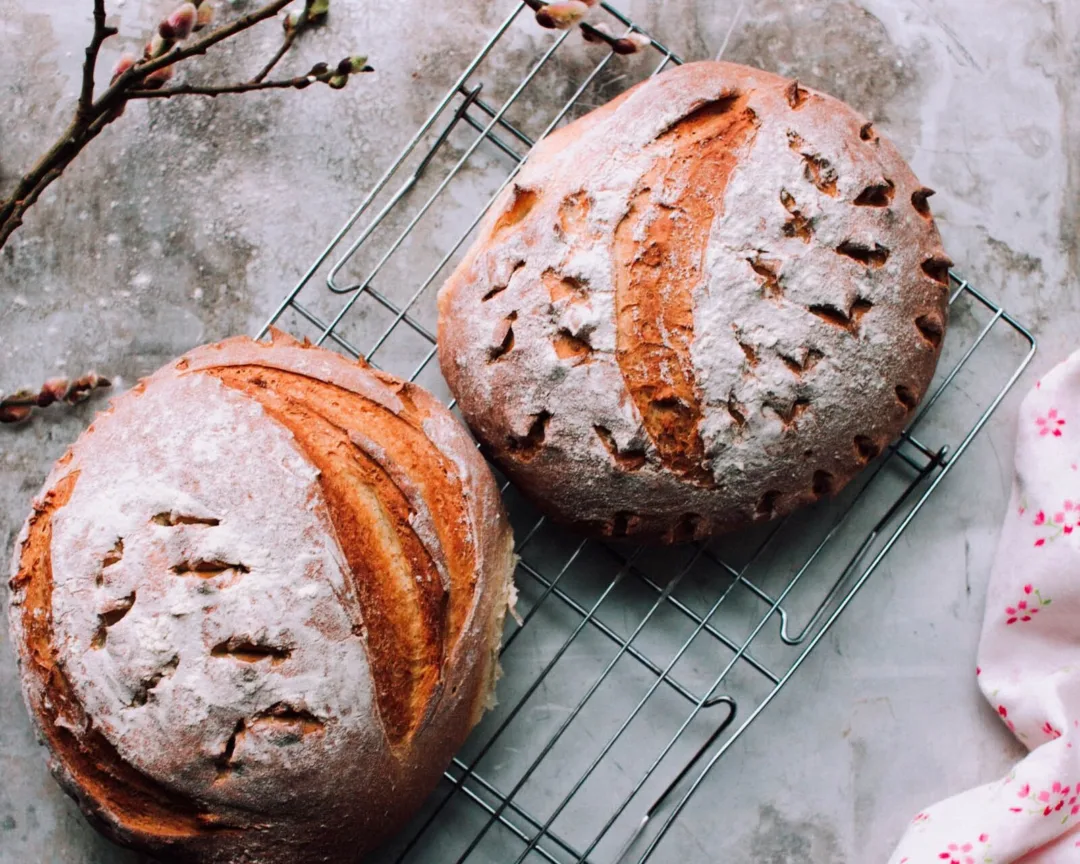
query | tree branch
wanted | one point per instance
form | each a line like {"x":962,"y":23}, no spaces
{"x":47,"y":169}
{"x":13,"y":218}
{"x":300,"y":82}
{"x":101,"y":33}
{"x":56,"y":155}
{"x":18,"y":406}
{"x":93,"y":115}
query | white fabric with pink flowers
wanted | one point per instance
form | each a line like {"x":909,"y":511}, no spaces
{"x":1029,"y":657}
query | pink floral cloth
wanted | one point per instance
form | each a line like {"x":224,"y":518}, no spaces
{"x":1029,"y":657}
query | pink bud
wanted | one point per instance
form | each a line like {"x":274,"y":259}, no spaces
{"x":158,"y":77}
{"x":14,"y":413}
{"x":126,"y":61}
{"x":52,"y":390}
{"x":205,"y":16}
{"x":631,"y":43}
{"x":158,"y":45}
{"x":562,"y":15}
{"x":180,"y":23}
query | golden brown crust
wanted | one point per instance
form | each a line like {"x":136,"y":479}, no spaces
{"x":725,"y":294}
{"x":104,"y":780}
{"x":271,"y":749}
{"x":660,"y":249}
{"x":402,"y":599}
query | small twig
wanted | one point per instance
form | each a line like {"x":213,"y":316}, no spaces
{"x":299,"y":83}
{"x":101,"y":33}
{"x":314,"y":12}
{"x":598,"y":34}
{"x":18,"y":406}
{"x":286,"y":44}
{"x":633,"y":42}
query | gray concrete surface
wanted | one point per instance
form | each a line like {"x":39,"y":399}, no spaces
{"x":186,"y":222}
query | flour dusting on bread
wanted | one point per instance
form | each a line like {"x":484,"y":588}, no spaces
{"x":259,"y":604}
{"x":744,"y":292}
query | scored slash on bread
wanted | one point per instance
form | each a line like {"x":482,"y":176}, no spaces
{"x":259,"y":603}
{"x":706,"y":303}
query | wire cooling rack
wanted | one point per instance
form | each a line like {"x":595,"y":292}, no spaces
{"x":632,"y":671}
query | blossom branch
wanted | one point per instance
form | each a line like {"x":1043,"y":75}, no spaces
{"x":319,"y":73}
{"x":18,"y":406}
{"x":564,"y":14}
{"x":144,"y":78}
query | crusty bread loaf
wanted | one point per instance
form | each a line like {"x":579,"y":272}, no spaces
{"x":258,"y":605}
{"x":708,"y":302}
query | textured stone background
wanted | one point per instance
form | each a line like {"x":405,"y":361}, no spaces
{"x":187,"y":220}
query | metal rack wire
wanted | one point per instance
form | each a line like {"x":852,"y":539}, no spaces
{"x":638,"y":669}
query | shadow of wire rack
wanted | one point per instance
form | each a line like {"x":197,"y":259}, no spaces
{"x":632,"y":671}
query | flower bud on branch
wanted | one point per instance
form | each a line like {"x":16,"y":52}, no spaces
{"x":158,"y":78}
{"x":204,"y":17}
{"x":356,"y":63}
{"x":346,"y":67}
{"x":126,"y":61}
{"x":180,"y":23}
{"x":14,"y":413}
{"x":172,"y":43}
{"x":157,"y":46}
{"x":562,"y":15}
{"x":19,"y":405}
{"x":632,"y":43}
{"x":314,"y":12}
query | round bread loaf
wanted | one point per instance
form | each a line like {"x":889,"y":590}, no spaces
{"x":708,"y":302}
{"x":258,"y":606}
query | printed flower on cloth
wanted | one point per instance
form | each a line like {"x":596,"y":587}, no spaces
{"x":1029,"y":657}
